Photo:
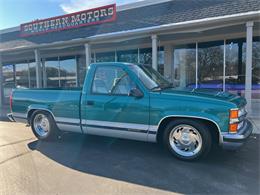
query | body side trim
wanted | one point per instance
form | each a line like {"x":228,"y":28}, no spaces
{"x":116,"y":124}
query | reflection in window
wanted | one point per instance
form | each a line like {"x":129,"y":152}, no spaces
{"x":81,"y":61}
{"x":22,"y":75}
{"x":235,"y":66}
{"x":32,"y":75}
{"x":130,"y":56}
{"x":161,"y":60}
{"x":8,"y":81}
{"x":112,"y":80}
{"x":185,"y":66}
{"x":105,"y":57}
{"x":210,"y":65}
{"x":145,"y":56}
{"x":256,"y":69}
{"x":52,"y":72}
{"x":68,"y":72}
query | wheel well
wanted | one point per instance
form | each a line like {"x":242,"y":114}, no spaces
{"x":30,"y":113}
{"x":214,"y":132}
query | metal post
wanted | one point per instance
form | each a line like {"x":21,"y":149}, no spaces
{"x":44,"y":74}
{"x":154,"y":52}
{"x":249,"y":46}
{"x":38,"y":68}
{"x":196,"y":65}
{"x":88,"y":54}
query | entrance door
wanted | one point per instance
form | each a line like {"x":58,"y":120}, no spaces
{"x":111,"y":111}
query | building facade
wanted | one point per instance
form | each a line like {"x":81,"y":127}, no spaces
{"x":193,"y":43}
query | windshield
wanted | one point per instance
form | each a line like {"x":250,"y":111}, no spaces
{"x":150,"y":77}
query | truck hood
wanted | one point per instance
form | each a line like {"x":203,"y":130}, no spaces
{"x":208,"y":94}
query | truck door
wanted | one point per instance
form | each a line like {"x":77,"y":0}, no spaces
{"x":111,"y":110}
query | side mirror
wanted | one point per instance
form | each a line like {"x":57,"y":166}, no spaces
{"x":136,"y":93}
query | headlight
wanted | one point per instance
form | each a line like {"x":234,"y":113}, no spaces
{"x":236,"y":117}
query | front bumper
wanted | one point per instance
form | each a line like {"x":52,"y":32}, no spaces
{"x":234,"y":141}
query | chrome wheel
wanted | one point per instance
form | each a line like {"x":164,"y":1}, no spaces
{"x":185,"y":140}
{"x":41,"y":125}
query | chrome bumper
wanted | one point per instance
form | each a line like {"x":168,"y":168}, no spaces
{"x":234,"y":141}
{"x":10,"y":117}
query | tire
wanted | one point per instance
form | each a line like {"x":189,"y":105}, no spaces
{"x":187,"y":139}
{"x":44,"y":126}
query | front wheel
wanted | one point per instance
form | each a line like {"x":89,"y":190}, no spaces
{"x":187,"y":139}
{"x":43,"y":125}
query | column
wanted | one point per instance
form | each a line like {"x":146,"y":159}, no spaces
{"x":38,"y":68}
{"x":168,"y":62}
{"x":88,"y":54}
{"x":44,"y":74}
{"x":249,"y":46}
{"x":154,"y":52}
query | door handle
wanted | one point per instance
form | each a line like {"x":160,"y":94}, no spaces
{"x":90,"y":103}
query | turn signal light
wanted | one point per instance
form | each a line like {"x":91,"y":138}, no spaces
{"x":233,"y":128}
{"x":233,"y":114}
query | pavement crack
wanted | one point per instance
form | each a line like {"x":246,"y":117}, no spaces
{"x":13,"y":157}
{"x":17,"y":142}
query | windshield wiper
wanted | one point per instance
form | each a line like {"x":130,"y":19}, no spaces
{"x":156,"y":88}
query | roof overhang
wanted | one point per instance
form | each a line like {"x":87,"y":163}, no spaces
{"x":187,"y":26}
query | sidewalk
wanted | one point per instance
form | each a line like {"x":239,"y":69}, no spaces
{"x":256,"y":123}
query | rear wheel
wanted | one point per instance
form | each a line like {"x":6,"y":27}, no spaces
{"x":43,"y":125}
{"x":187,"y":139}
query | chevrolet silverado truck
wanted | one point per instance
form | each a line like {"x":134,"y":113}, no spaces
{"x":132,"y":101}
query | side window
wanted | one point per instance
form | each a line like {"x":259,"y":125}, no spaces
{"x":112,"y":80}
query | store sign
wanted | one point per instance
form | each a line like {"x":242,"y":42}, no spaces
{"x":74,"y":20}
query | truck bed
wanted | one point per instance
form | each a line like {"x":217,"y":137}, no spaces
{"x":64,"y":103}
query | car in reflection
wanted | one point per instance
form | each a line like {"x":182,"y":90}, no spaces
{"x":232,"y":84}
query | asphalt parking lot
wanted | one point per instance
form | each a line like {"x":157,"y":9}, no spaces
{"x":78,"y":164}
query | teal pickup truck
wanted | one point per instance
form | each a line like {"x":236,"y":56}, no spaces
{"x":135,"y":102}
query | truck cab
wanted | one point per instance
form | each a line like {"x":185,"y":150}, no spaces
{"x":134,"y":101}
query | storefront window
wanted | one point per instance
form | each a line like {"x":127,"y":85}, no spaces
{"x":210,"y":65}
{"x":105,"y":57}
{"x":52,"y":72}
{"x":32,"y":74}
{"x":256,"y":69}
{"x":8,"y":81}
{"x":81,"y":61}
{"x":235,"y":66}
{"x":68,"y":66}
{"x":185,"y":66}
{"x":145,"y":56}
{"x":22,"y":75}
{"x":130,"y":56}
{"x":161,"y":60}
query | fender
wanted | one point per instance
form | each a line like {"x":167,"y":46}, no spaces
{"x":38,"y":107}
{"x":195,"y":117}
